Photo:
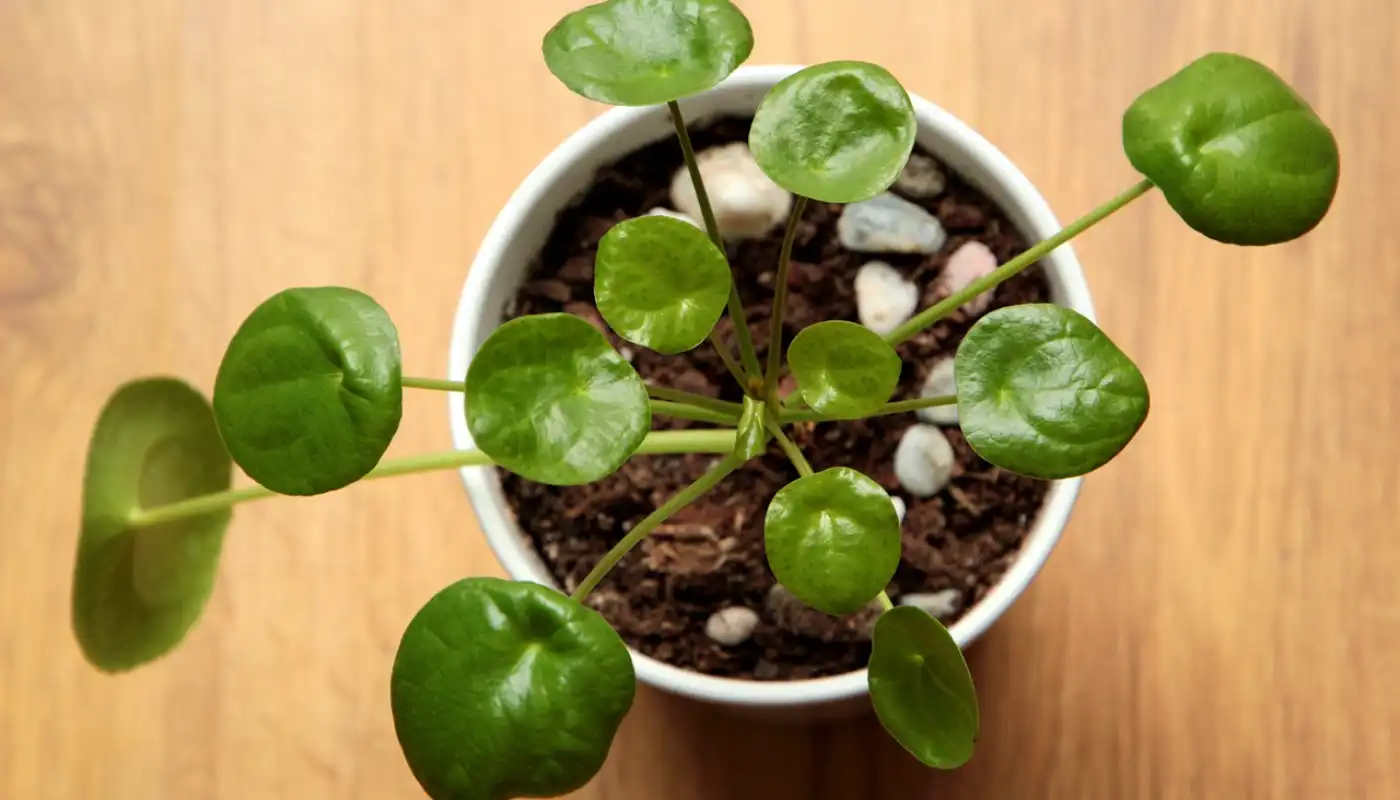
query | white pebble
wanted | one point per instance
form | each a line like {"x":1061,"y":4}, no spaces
{"x":968,"y":263}
{"x":746,"y":202}
{"x":887,"y":223}
{"x":899,"y":507}
{"x":884,"y":299}
{"x":939,"y":605}
{"x":921,"y":177}
{"x":940,"y":382}
{"x":923,"y":461}
{"x":661,"y":211}
{"x":731,"y":626}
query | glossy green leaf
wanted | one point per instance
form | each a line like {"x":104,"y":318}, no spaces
{"x":921,"y":688}
{"x":1043,"y":392}
{"x":833,"y":539}
{"x":838,"y":132}
{"x":843,"y":369}
{"x":752,"y":438}
{"x":138,"y":590}
{"x":647,"y":52}
{"x":550,"y":400}
{"x":1237,"y":152}
{"x":505,"y":689}
{"x":660,"y":283}
{"x":310,"y":392}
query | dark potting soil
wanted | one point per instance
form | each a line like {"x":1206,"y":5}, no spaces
{"x":710,"y":555}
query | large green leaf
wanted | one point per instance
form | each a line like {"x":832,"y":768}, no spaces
{"x":506,"y":689}
{"x":843,"y":369}
{"x":1043,"y":392}
{"x":549,"y":399}
{"x":138,"y":590}
{"x":647,"y":52}
{"x":310,"y":392}
{"x":921,"y":688}
{"x":1237,"y":152}
{"x":833,"y":539}
{"x":660,"y":283}
{"x":838,"y":132}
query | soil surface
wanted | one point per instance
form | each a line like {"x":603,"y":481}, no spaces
{"x":710,"y":556}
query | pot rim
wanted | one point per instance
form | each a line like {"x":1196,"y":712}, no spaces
{"x":958,"y":146}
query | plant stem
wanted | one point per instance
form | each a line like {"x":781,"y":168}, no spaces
{"x":677,"y":501}
{"x":883,"y":598}
{"x":736,"y":306}
{"x":684,"y":411}
{"x":204,"y":504}
{"x":946,"y":306}
{"x":656,"y":442}
{"x":790,"y":448}
{"x":698,"y":400}
{"x":780,"y":293}
{"x":727,"y":357}
{"x":897,"y":407}
{"x":433,"y":383}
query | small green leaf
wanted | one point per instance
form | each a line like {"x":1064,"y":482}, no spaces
{"x":833,"y":539}
{"x":1237,"y":152}
{"x":138,"y":591}
{"x":838,"y":132}
{"x":647,"y":52}
{"x":753,"y":436}
{"x":1043,"y":392}
{"x":506,"y":689}
{"x":660,"y":283}
{"x":921,"y":688}
{"x":550,"y":400}
{"x":843,"y":369}
{"x":310,"y":392}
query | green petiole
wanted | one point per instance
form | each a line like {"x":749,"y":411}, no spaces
{"x":789,"y":447}
{"x":949,"y":304}
{"x":656,"y":443}
{"x":897,"y":407}
{"x":736,"y":306}
{"x":686,"y":411}
{"x":437,"y":384}
{"x":780,"y":293}
{"x":697,"y":400}
{"x":677,"y":501}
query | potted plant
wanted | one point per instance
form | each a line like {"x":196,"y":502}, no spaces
{"x":505,"y":688}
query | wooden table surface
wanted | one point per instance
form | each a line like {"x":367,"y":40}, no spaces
{"x":1222,"y":618}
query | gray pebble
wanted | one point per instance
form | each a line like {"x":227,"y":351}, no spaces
{"x":923,"y":460}
{"x":939,"y":605}
{"x":731,"y":626}
{"x":921,"y":177}
{"x":940,"y":381}
{"x":884,"y":299}
{"x":888,"y":223}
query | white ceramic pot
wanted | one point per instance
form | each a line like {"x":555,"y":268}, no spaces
{"x":521,"y":229}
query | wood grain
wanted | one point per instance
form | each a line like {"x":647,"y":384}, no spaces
{"x":1221,"y":620}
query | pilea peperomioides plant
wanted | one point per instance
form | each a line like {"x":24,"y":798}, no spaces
{"x":503,"y":688}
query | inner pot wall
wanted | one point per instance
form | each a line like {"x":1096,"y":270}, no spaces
{"x":521,"y":229}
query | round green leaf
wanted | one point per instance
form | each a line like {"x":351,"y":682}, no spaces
{"x":833,"y":539}
{"x":309,"y":393}
{"x":138,"y":590}
{"x":1043,"y":392}
{"x":921,"y":688}
{"x":752,"y":437}
{"x":1237,"y":152}
{"x":843,"y":369}
{"x":838,"y":132}
{"x":647,"y":52}
{"x":550,"y":400}
{"x":506,"y":689}
{"x":660,"y":283}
